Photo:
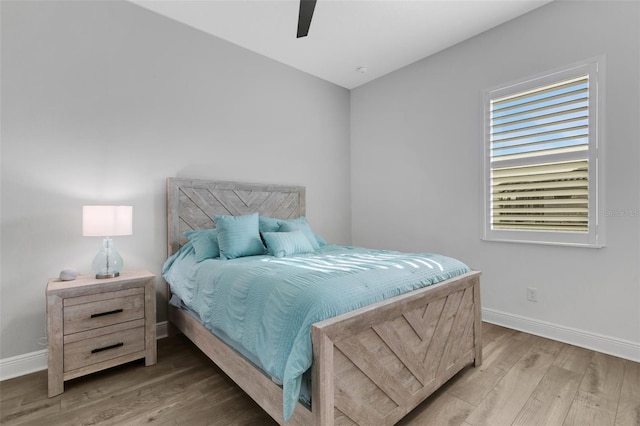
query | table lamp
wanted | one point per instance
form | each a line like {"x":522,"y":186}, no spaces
{"x":107,"y":221}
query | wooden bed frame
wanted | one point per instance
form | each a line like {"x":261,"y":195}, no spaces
{"x":371,"y":366}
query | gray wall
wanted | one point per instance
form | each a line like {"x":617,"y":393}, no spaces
{"x":416,"y":170}
{"x":102,"y":101}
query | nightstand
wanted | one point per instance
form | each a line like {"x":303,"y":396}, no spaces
{"x":93,"y":324}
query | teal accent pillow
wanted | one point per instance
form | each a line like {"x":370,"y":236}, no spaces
{"x":298,"y":225}
{"x":205,"y":243}
{"x":238,"y":236}
{"x":281,"y":244}
{"x":303,"y":220}
{"x":269,"y":224}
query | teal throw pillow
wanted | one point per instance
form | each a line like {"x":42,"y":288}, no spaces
{"x":205,"y":243}
{"x":238,"y":236}
{"x":281,"y":244}
{"x":303,"y":227}
{"x":269,"y":224}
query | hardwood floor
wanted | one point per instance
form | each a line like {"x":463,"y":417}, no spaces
{"x":524,"y":380}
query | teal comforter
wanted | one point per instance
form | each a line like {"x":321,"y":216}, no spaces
{"x":267,"y":305}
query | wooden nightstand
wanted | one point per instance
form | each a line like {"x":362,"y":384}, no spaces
{"x":96,"y":324}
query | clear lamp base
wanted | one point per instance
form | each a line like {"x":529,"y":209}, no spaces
{"x":108,"y":262}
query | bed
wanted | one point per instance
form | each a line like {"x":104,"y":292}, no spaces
{"x":370,"y":366}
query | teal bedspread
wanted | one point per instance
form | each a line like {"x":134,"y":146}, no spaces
{"x":267,"y":305}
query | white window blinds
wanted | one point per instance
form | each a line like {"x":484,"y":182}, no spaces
{"x":542,"y":158}
{"x":526,"y":126}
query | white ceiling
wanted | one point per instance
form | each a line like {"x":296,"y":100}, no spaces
{"x":381,"y":35}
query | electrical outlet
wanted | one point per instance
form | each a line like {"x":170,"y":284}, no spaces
{"x":532,"y":294}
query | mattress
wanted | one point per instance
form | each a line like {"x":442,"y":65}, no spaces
{"x":264,"y":306}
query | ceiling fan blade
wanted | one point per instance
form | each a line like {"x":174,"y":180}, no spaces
{"x":304,"y":17}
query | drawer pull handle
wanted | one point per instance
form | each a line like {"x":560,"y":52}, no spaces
{"x":106,"y":348}
{"x":101,"y":314}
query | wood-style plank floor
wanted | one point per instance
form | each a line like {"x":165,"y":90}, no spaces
{"x":524,"y":380}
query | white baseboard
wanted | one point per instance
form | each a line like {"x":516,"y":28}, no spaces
{"x":605,"y":344}
{"x":20,"y":365}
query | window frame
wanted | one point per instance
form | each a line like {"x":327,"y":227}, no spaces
{"x":595,"y":236}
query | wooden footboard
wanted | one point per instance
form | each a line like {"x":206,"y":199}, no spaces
{"x":374,"y":365}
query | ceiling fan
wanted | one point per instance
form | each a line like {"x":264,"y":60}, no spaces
{"x":304,"y":17}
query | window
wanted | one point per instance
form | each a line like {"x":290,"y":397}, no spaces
{"x":542,"y":164}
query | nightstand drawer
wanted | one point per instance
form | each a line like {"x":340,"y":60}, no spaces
{"x":103,"y":309}
{"x":81,"y":353}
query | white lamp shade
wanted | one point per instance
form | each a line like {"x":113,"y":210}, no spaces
{"x":107,"y":221}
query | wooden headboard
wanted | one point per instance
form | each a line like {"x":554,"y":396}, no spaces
{"x":193,"y":203}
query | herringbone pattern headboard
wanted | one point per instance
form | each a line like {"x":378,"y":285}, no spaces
{"x":193,"y":203}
